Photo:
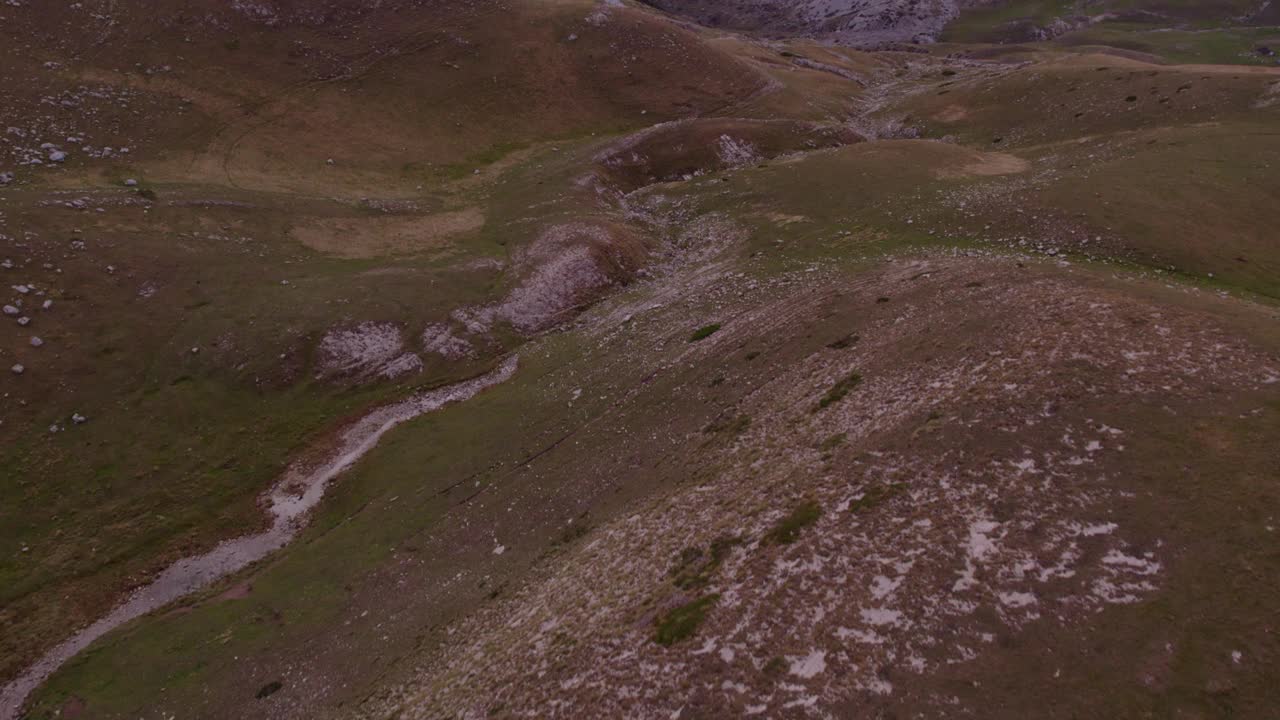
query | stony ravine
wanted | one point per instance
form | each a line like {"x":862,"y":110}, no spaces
{"x":288,"y":503}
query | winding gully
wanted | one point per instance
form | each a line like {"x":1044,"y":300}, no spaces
{"x":288,"y":503}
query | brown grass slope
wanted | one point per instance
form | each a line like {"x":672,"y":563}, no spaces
{"x":185,"y":313}
{"x":796,"y":377}
{"x":1169,"y":166}
{"x":397,"y":94}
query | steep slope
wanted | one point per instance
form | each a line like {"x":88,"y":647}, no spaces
{"x":226,"y":227}
{"x":1223,"y":31}
{"x":848,"y":21}
{"x":940,"y":487}
{"x":397,"y":94}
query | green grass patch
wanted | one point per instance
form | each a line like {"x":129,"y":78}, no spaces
{"x":694,"y":566}
{"x":789,"y":527}
{"x":1226,"y":46}
{"x":703,"y":333}
{"x":682,"y":622}
{"x":847,"y":341}
{"x":481,"y":159}
{"x":1005,"y":22}
{"x":833,"y":442}
{"x":839,"y":391}
{"x":732,"y":426}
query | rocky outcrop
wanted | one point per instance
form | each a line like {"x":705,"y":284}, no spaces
{"x":847,"y":21}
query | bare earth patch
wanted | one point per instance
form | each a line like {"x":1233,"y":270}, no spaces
{"x":986,"y":164}
{"x":952,"y":113}
{"x":379,"y":236}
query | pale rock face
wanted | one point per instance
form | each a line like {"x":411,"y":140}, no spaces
{"x":439,"y":339}
{"x":361,"y":350}
{"x":406,"y":364}
{"x":366,"y":352}
{"x":563,"y":268}
{"x":850,"y":21}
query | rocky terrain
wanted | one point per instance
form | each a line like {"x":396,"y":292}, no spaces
{"x":846,"y":21}
{"x":882,"y":23}
{"x":497,"y":358}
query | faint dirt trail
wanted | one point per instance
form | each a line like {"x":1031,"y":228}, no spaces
{"x":288,"y":503}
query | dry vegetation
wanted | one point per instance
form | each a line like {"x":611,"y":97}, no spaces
{"x":916,"y":380}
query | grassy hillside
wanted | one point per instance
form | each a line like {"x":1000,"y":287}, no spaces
{"x":213,"y":221}
{"x":1241,"y":32}
{"x":861,"y":383}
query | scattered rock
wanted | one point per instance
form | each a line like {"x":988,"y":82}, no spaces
{"x":24,"y":321}
{"x":78,"y":419}
{"x":6,"y":178}
{"x":36,"y":342}
{"x":130,"y":183}
{"x":46,"y":305}
{"x":18,"y":369}
{"x":403,"y":365}
{"x":11,"y":310}
{"x":439,"y":339}
{"x":365,"y":350}
{"x":57,"y":156}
